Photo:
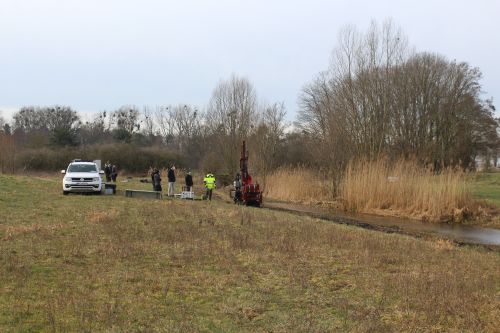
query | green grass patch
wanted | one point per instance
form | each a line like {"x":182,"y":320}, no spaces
{"x":486,"y":186}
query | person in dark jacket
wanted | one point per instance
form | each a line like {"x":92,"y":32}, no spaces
{"x":107,"y":171}
{"x":171,"y":181}
{"x":114,"y":173}
{"x":189,"y":182}
{"x":156,"y":180}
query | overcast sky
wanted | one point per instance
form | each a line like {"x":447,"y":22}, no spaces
{"x":100,"y":54}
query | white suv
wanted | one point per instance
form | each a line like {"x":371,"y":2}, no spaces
{"x":82,"y":176}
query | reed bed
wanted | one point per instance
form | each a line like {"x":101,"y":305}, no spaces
{"x":404,"y":187}
{"x":297,"y":185}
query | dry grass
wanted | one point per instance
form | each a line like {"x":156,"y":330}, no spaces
{"x":124,"y":265}
{"x":297,"y":185}
{"x":404,"y":188}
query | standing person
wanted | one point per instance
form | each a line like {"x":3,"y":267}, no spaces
{"x":189,"y":182}
{"x":237,"y":188}
{"x":151,"y":173}
{"x":114,"y":173}
{"x":107,"y":171}
{"x":156,"y":180}
{"x":171,"y":181}
{"x":209,"y":182}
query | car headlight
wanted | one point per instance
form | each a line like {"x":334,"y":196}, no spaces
{"x":96,"y":179}
{"x":68,"y":179}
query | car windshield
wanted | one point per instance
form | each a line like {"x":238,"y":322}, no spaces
{"x":82,"y":168}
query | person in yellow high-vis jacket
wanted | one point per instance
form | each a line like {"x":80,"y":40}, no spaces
{"x":209,"y":182}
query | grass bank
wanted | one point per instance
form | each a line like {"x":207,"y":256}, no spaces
{"x":486,"y":186}
{"x":110,"y":263}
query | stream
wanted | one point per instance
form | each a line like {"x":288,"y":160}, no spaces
{"x":461,"y":234}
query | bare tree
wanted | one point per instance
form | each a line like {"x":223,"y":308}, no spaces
{"x":268,"y":138}
{"x":231,"y":115}
{"x":127,"y":123}
{"x":57,"y":124}
{"x":127,"y":118}
{"x":166,"y":122}
{"x":379,"y":97}
{"x":29,"y":119}
{"x":148,"y":121}
{"x":187,"y":124}
{"x":97,"y":130}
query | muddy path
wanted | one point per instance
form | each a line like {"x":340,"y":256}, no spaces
{"x":458,"y":234}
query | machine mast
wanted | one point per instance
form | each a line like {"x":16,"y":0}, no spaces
{"x":249,"y":193}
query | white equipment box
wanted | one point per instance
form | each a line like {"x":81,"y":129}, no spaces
{"x":187,"y":195}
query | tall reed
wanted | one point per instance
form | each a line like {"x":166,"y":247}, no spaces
{"x":297,"y":184}
{"x":404,"y":187}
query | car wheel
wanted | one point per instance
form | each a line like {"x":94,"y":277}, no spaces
{"x":65,"y":192}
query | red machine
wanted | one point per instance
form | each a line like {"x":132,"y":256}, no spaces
{"x":246,"y":192}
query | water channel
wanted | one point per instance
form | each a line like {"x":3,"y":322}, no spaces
{"x":463,"y":234}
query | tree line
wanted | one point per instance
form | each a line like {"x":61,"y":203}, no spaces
{"x":381,"y":98}
{"x":378,"y":97}
{"x":44,"y":138}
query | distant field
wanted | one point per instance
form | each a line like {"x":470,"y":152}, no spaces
{"x":110,"y":263}
{"x":486,"y":186}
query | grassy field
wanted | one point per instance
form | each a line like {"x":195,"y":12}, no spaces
{"x":486,"y":186}
{"x":110,"y":263}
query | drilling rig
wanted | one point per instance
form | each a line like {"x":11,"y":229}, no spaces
{"x":246,"y":192}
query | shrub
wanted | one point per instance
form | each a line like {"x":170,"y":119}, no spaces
{"x":127,"y":157}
